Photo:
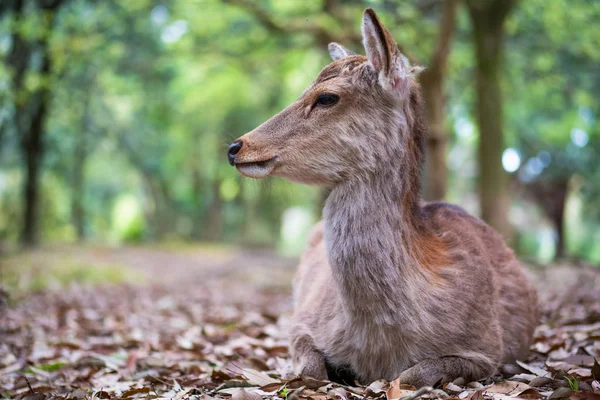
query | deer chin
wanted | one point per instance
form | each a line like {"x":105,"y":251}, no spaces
{"x":256,"y":169}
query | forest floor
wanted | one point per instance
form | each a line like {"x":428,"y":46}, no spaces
{"x":209,"y":322}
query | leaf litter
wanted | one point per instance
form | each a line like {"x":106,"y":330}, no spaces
{"x":225,"y":338}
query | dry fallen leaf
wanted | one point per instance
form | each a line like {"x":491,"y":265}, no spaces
{"x":508,"y":387}
{"x":585,"y":396}
{"x":339,"y":393}
{"x":241,"y":394}
{"x":559,"y":367}
{"x":537,"y":382}
{"x":562,"y":393}
{"x":580,"y":372}
{"x":452,"y":388}
{"x":398,"y":390}
{"x":596,"y":370}
{"x":534,"y":370}
{"x":131,"y":392}
{"x":530,"y":393}
{"x":258,"y":378}
{"x":478,"y":395}
{"x":581,"y":360}
{"x":376,"y":388}
{"x":208,"y":338}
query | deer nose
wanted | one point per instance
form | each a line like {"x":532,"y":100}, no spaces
{"x":233,"y":149}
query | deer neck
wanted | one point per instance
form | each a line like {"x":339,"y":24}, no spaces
{"x":368,"y":224}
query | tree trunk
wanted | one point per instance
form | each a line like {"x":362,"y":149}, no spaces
{"x":32,"y":147}
{"x":560,"y":233}
{"x":31,"y":113}
{"x":551,"y":195}
{"x":213,"y":226}
{"x":487,"y":18}
{"x":80,"y":154}
{"x":432,"y":82}
{"x":32,"y":153}
{"x":436,"y":172}
{"x":198,"y":186}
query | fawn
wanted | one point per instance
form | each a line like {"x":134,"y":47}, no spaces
{"x":389,"y":286}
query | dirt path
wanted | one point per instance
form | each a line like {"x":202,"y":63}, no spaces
{"x":198,"y":265}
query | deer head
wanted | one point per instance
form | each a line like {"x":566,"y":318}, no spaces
{"x":353,"y":119}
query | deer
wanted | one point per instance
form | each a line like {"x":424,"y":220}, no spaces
{"x":389,"y":286}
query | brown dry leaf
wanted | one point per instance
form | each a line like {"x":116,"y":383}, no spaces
{"x":101,"y":395}
{"x":562,"y":393}
{"x":258,"y":378}
{"x":559,"y":367}
{"x":35,"y":396}
{"x":307,"y":381}
{"x":475,"y":385}
{"x":131,"y":392}
{"x":398,"y":390}
{"x":150,"y":362}
{"x":581,"y":360}
{"x":596,"y":370}
{"x":581,"y":372}
{"x":258,"y":364}
{"x":534,"y":370}
{"x":478,"y":395}
{"x":452,"y":388}
{"x":542,"y":347}
{"x":585,"y":396}
{"x":537,"y":382}
{"x":530,"y":394}
{"x":377,"y":388}
{"x":508,"y":387}
{"x":241,"y":394}
{"x":273,"y":387}
{"x":339,"y":393}
{"x":220,"y":376}
{"x":525,"y":377}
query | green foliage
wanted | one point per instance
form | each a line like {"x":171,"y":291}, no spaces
{"x":573,"y":383}
{"x":50,"y":367}
{"x":146,"y":95}
{"x":128,"y":222}
{"x":283,"y":393}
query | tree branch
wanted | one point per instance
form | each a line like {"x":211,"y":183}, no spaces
{"x":494,"y":12}
{"x":440,"y":55}
{"x":501,"y":8}
{"x":320,"y":35}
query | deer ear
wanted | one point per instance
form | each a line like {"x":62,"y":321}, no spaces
{"x":337,"y":51}
{"x":382,"y":51}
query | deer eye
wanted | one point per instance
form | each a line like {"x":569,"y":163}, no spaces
{"x":326,"y":99}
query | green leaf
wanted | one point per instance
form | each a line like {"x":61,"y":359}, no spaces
{"x":51,"y":367}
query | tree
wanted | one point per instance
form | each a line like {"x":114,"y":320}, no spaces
{"x":487,"y":20}
{"x":31,"y":105}
{"x":433,"y":81}
{"x":554,"y":122}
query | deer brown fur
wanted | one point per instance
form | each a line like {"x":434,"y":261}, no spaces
{"x":389,"y":285}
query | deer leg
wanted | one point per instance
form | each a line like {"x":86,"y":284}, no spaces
{"x":435,"y":371}
{"x":307,"y":359}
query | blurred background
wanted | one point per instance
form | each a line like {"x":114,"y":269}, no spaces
{"x":115,"y":117}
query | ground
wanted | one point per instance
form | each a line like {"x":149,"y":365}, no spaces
{"x":181,"y":322}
